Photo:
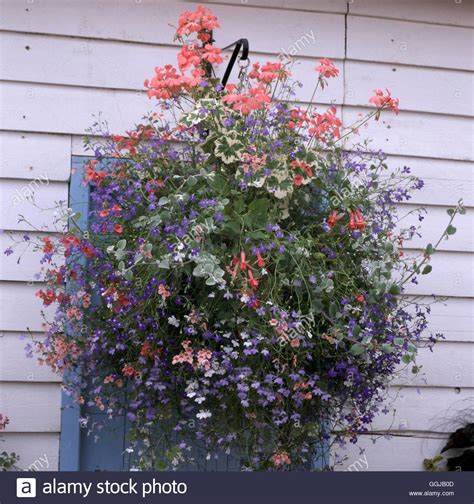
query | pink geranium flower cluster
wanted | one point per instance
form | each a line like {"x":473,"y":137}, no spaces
{"x":192,"y":55}
{"x":256,"y":98}
{"x":268,"y":72}
{"x":385,"y":101}
{"x":327,"y":68}
{"x":202,"y":21}
{"x":325,"y":126}
{"x":168,"y":83}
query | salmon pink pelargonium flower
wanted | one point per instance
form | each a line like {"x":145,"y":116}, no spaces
{"x":268,"y":72}
{"x":382,"y":101}
{"x":327,"y":68}
{"x":202,"y":21}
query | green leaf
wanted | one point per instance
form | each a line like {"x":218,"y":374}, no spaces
{"x":228,"y":148}
{"x":257,"y":213}
{"x":412,"y":349}
{"x":239,"y":206}
{"x":317,"y":306}
{"x":357,"y":349}
{"x":164,"y":263}
{"x":192,"y":181}
{"x":389,"y":247}
{"x":387,"y":348}
{"x":231,"y":227}
{"x":395,"y":289}
{"x":407,"y":359}
{"x":399,"y":341}
{"x":332,"y":309}
{"x":450,"y":230}
{"x":427,"y":269}
{"x":121,"y":244}
{"x":430,"y":250}
{"x":450,"y":212}
{"x":356,"y":330}
{"x":120,"y":254}
{"x":219,"y":183}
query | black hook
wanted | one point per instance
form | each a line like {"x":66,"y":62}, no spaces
{"x":241,"y":43}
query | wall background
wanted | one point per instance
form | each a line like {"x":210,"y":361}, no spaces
{"x":63,"y":61}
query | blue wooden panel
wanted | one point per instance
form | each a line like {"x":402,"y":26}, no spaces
{"x":69,"y":449}
{"x":102,"y":450}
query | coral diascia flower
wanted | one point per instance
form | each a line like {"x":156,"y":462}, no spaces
{"x":356,"y":221}
{"x":333,"y":218}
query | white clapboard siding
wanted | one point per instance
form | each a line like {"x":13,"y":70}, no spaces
{"x":447,"y":365}
{"x":403,"y":452}
{"x":426,"y":409}
{"x":304,"y":5}
{"x":454,"y":317}
{"x":457,"y":13}
{"x":452,"y":275}
{"x":58,"y":109}
{"x":415,"y":134}
{"x":272,"y":32}
{"x":99,"y":63}
{"x":53,"y":59}
{"x":16,"y":366}
{"x":19,"y":400}
{"x":149,"y":21}
{"x":36,"y":200}
{"x":39,"y":451}
{"x":419,"y":89}
{"x":28,"y":269}
{"x":31,"y":155}
{"x":433,"y":225}
{"x":445,"y":181}
{"x":387,"y":40}
{"x":21,"y":309}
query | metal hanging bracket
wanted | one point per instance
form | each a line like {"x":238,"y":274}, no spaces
{"x":243,"y":44}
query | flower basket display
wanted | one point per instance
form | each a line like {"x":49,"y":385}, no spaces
{"x":240,"y":288}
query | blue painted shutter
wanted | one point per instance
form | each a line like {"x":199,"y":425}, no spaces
{"x":78,"y":450}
